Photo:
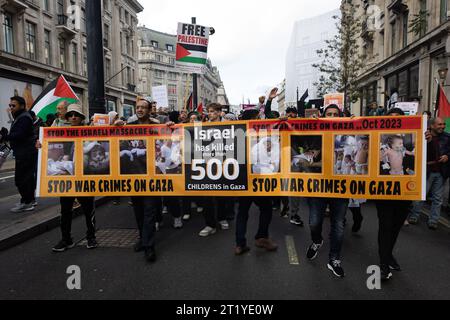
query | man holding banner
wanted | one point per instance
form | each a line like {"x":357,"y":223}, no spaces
{"x":338,"y":209}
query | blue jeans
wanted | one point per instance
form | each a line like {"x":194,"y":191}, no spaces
{"x":338,"y":210}
{"x":435,"y":184}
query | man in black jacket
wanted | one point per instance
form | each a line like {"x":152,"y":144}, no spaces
{"x":22,"y":140}
{"x":438,"y":154}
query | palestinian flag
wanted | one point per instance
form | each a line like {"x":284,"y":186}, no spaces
{"x":192,"y":53}
{"x":57,"y":91}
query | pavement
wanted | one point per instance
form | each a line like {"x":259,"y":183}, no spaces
{"x":193,"y":268}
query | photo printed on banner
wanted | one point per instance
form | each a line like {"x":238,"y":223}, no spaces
{"x":265,"y":155}
{"x":351,"y":155}
{"x":60,"y":159}
{"x":168,"y":157}
{"x":306,"y":154}
{"x":96,"y":158}
{"x":397,"y":154}
{"x":133,"y":157}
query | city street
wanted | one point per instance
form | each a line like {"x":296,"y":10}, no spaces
{"x":191,"y":268}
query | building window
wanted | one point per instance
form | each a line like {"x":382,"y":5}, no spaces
{"x":107,"y":69}
{"x":85,"y":61}
{"x":393,"y":37}
{"x":62,"y":53}
{"x":46,"y":5}
{"x":169,"y":47}
{"x":83,"y":20}
{"x":60,"y":7}
{"x":443,"y":11}
{"x":171,"y":61}
{"x":158,"y":58}
{"x":106,"y":36}
{"x":8,"y":33}
{"x":121,"y":42}
{"x":172,"y":89}
{"x":75,"y":57}
{"x":173,"y":104}
{"x":30,"y":38}
{"x":154,"y":44}
{"x":405,"y":29}
{"x":159,"y":74}
{"x":127,"y":44}
{"x":172,"y":76}
{"x":47,"y":47}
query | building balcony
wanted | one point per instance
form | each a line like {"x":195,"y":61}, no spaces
{"x":13,"y":6}
{"x":65,"y":27}
{"x":397,"y":6}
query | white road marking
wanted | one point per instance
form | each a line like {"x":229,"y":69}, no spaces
{"x":292,"y":252}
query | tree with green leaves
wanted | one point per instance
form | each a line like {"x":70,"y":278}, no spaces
{"x":342,"y":61}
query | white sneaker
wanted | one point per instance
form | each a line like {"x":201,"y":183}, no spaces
{"x":207,"y":231}
{"x":34,"y":203}
{"x":178,"y":223}
{"x":22,"y":208}
{"x":199,"y":209}
{"x":186,"y":217}
{"x":165,"y":210}
{"x":224,"y":225}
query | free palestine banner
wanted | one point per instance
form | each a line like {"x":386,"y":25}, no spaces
{"x":192,"y":47}
{"x":368,"y":158}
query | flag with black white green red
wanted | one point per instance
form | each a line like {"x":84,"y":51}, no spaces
{"x":192,"y":48}
{"x":57,"y":91}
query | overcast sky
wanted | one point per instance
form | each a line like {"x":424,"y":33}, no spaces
{"x":251,"y":40}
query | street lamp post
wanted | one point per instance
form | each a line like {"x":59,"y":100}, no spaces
{"x":95,"y":63}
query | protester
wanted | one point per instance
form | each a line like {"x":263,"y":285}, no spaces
{"x":338,"y":210}
{"x":438,"y":153}
{"x":391,"y":216}
{"x":215,"y":207}
{"x":264,"y":204}
{"x":76,"y":117}
{"x":50,"y":118}
{"x":22,"y":140}
{"x":61,"y":110}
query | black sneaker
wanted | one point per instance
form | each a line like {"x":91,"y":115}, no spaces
{"x":295,"y":219}
{"x":313,"y":250}
{"x":63,"y":245}
{"x":138,"y":246}
{"x":335,"y":267}
{"x":92,"y":244}
{"x":393,"y":265}
{"x":150,"y":255}
{"x":386,"y":273}
{"x":285,"y":212}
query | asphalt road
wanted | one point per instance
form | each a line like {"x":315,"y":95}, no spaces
{"x":191,"y":268}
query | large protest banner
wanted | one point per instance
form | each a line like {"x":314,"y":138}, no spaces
{"x":370,"y":158}
{"x":192,"y":48}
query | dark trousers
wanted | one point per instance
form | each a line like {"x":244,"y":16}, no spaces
{"x":215,"y":209}
{"x":338,"y":210}
{"x":174,"y":206}
{"x":25,"y":179}
{"x":88,"y":207}
{"x":391,"y":217}
{"x":145,"y":212}
{"x":265,"y":217}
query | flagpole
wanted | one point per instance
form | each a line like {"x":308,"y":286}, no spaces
{"x":436,"y":102}
{"x":194,"y":79}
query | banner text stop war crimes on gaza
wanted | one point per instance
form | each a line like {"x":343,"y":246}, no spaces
{"x":369,"y":158}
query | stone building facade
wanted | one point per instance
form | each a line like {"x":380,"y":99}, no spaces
{"x":41,"y":39}
{"x":400,"y":56}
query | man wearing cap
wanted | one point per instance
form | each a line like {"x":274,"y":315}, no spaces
{"x":338,"y":210}
{"x":76,"y":117}
{"x":22,"y":140}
